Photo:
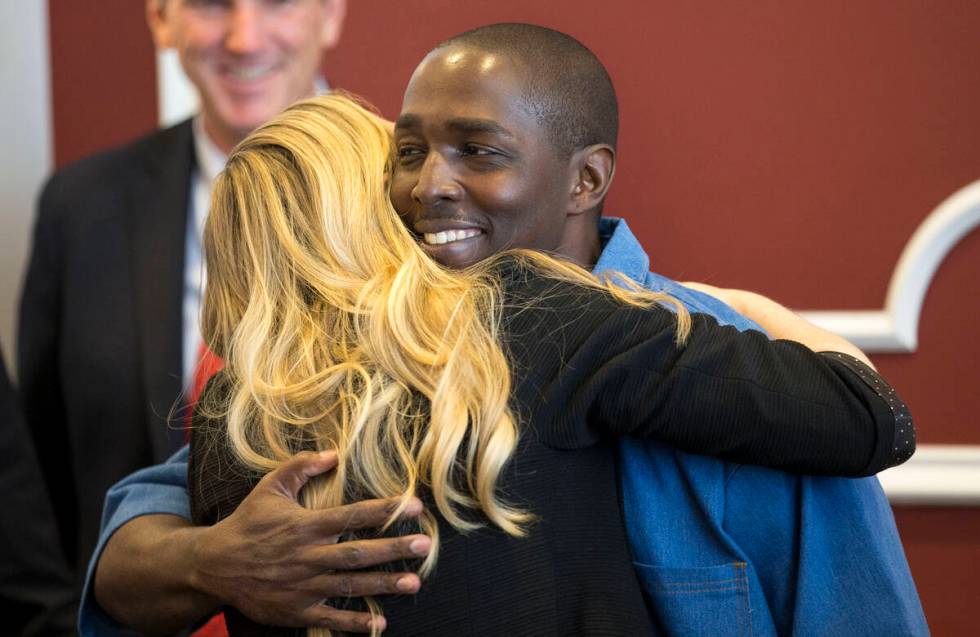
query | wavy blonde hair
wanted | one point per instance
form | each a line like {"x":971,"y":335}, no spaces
{"x":339,"y":332}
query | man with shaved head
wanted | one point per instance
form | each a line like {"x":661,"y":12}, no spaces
{"x":548,"y":105}
{"x":507,"y":138}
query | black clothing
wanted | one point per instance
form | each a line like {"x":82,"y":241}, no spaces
{"x":99,"y":346}
{"x":35,"y":583}
{"x":587,"y":370}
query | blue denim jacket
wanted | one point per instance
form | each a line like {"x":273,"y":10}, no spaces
{"x":721,"y":549}
{"x":725,"y":549}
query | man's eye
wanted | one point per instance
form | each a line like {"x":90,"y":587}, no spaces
{"x":409,"y":152}
{"x":472,"y":150}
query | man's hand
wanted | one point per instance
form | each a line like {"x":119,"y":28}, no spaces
{"x":272,"y":559}
{"x":276,"y":561}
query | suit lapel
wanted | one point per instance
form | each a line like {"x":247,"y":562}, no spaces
{"x":159,"y":209}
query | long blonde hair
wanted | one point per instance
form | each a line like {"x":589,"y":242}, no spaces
{"x":339,"y":332}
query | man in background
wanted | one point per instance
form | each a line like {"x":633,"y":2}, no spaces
{"x":108,"y":333}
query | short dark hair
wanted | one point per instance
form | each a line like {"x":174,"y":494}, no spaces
{"x":567,"y":89}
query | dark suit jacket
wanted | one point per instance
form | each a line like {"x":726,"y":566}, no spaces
{"x":99,"y":348}
{"x":35,"y":586}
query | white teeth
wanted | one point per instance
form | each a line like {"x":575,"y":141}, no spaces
{"x":448,"y":236}
{"x":250,"y":72}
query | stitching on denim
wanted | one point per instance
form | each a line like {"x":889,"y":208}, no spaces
{"x":712,"y":582}
{"x":742,"y":569}
{"x":738,"y":586}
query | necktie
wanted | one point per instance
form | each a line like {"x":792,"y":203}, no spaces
{"x":215,"y":627}
{"x":208,"y":364}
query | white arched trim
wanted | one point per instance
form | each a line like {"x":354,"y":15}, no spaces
{"x":896,"y":327}
{"x":936,"y":475}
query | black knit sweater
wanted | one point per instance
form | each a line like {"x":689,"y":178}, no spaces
{"x":588,"y":370}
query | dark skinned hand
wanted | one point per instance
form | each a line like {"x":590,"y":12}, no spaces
{"x":277,"y":562}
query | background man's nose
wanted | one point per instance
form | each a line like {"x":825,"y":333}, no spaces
{"x":245,"y":28}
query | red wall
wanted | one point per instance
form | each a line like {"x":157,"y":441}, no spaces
{"x":942,"y":548}
{"x":788,"y":147}
{"x":103,"y":75}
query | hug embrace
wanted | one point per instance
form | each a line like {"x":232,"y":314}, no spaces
{"x":445,"y":315}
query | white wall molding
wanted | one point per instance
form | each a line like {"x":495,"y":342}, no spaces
{"x":26,"y":130}
{"x":176,"y":96}
{"x":937,"y":475}
{"x":896,"y":327}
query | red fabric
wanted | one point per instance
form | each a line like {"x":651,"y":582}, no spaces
{"x":208,"y":364}
{"x":214,"y":628}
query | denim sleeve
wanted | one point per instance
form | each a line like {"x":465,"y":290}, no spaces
{"x":158,"y":489}
{"x":826,"y":553}
{"x":696,"y":301}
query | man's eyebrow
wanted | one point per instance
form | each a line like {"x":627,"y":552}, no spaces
{"x":475,"y":126}
{"x":463,"y":125}
{"x":408,"y":121}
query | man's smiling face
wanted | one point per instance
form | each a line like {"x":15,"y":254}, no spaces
{"x":475,"y":172}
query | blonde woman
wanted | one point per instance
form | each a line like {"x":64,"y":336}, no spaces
{"x":495,"y":394}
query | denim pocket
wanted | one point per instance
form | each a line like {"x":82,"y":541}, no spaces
{"x":709,"y":601}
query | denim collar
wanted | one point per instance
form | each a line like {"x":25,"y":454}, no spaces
{"x":621,"y":251}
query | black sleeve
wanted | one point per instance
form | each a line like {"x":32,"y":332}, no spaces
{"x":731,"y":394}
{"x":38,"y":339}
{"x":903,"y":444}
{"x":216,"y":481}
{"x":35,"y":582}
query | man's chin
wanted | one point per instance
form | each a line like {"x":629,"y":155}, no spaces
{"x":458,"y":254}
{"x":245,"y":115}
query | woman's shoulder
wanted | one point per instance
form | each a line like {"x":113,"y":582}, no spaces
{"x":217,"y":481}
{"x":528,"y":285}
{"x":548,"y":317}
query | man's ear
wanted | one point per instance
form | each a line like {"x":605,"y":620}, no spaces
{"x":594,"y":167}
{"x":333,"y":22}
{"x":156,"y":20}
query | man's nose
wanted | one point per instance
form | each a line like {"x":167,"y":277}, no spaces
{"x":437,"y":181}
{"x":245,"y":28}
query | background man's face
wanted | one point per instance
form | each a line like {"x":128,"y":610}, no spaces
{"x":475,"y":173}
{"x":249,"y":59}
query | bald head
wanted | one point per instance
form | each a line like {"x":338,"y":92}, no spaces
{"x":567,"y":90}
